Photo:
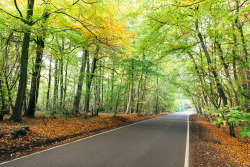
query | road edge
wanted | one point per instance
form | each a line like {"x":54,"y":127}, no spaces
{"x":186,"y":163}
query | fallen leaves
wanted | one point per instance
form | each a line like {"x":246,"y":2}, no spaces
{"x":213,"y":145}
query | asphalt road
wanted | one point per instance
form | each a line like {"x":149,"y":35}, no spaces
{"x":159,"y":142}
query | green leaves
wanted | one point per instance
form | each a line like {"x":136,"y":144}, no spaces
{"x":234,"y":115}
{"x":244,"y":131}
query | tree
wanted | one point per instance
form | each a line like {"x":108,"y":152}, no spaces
{"x":77,"y":99}
{"x":89,"y":78}
{"x":16,"y":116}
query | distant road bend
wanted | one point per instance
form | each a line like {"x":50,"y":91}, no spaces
{"x":159,"y":142}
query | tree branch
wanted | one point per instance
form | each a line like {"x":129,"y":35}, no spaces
{"x":182,"y":6}
{"x":25,"y":21}
{"x":240,"y":5}
{"x":61,"y":9}
{"x":108,"y":68}
{"x":80,"y":23}
{"x":84,"y":2}
{"x":156,"y":20}
{"x":18,"y":9}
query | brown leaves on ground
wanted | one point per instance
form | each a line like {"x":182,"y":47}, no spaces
{"x":213,"y":146}
{"x":47,"y":132}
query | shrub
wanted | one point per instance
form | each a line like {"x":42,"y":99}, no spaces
{"x":18,"y":133}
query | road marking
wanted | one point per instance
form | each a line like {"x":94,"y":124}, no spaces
{"x":29,"y":155}
{"x":186,"y":163}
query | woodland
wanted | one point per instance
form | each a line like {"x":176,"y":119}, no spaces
{"x":133,"y":56}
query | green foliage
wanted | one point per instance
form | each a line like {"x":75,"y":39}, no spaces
{"x":244,"y":131}
{"x":76,"y":112}
{"x":233,"y":115}
{"x":241,"y":119}
{"x":66,"y":113}
{"x":52,"y":113}
{"x":18,"y":133}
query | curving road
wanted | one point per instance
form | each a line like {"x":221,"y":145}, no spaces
{"x":159,"y":142}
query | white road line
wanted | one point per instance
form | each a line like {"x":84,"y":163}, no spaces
{"x":26,"y":156}
{"x":186,"y":163}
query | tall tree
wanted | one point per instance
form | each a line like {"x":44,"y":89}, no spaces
{"x":16,"y":115}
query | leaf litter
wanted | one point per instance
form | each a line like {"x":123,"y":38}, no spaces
{"x":214,"y":147}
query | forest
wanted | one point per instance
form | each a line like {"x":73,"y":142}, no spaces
{"x":113,"y":56}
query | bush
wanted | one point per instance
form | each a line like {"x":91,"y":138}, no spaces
{"x":76,"y":112}
{"x":233,"y":115}
{"x":18,"y":133}
{"x":52,"y":114}
{"x":66,"y":113}
{"x":241,"y":120}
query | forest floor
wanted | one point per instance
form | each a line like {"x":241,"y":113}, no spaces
{"x":213,"y":147}
{"x":45,"y":132}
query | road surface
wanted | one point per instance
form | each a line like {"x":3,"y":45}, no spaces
{"x":159,"y":142}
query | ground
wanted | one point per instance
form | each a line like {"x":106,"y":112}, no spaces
{"x":210,"y":146}
{"x":214,"y":147}
{"x":45,"y":132}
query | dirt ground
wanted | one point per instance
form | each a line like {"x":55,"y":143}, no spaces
{"x":214,"y":147}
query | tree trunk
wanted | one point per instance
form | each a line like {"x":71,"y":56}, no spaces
{"x":98,"y":100}
{"x":55,"y":86}
{"x":144,"y":92}
{"x":8,"y":90}
{"x":80,"y":81}
{"x":65,"y":85}
{"x":132,"y":86}
{"x":97,"y":104}
{"x":102,"y":71}
{"x":129,"y":106}
{"x":61,"y":83}
{"x":111,"y":100}
{"x":86,"y":102}
{"x":157,"y":97}
{"x":89,"y":79}
{"x":2,"y":108}
{"x":138,"y":92}
{"x":35,"y":79}
{"x":49,"y":83}
{"x":16,"y":115}
{"x":118,"y":95}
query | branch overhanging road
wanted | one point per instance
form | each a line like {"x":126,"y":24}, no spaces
{"x":159,"y":142}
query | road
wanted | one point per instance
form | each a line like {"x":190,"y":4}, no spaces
{"x":159,"y":142}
